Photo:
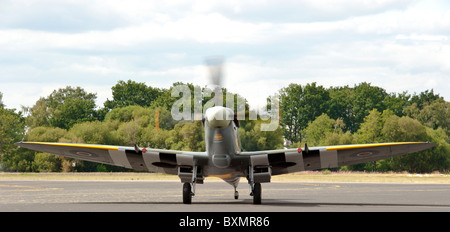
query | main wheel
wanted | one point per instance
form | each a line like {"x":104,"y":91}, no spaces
{"x":187,"y":193}
{"x":257,"y":194}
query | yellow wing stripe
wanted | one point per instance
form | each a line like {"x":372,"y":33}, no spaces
{"x":344,"y":147}
{"x":76,"y":145}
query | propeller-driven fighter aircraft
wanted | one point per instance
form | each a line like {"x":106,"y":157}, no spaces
{"x":224,"y":158}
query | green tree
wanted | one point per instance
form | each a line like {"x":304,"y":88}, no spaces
{"x":433,"y":114}
{"x":318,"y":129}
{"x":17,"y":160}
{"x":325,"y":131}
{"x":186,"y":136}
{"x":253,"y":139}
{"x":341,"y":104}
{"x":45,"y":134}
{"x":403,"y":129}
{"x":123,"y":114}
{"x":426,"y":96}
{"x":397,"y":102}
{"x":39,"y":114}
{"x":129,"y":133}
{"x":299,"y":106}
{"x":154,"y":138}
{"x":365,"y":99}
{"x":95,"y":132}
{"x":134,"y":123}
{"x":132,"y":93}
{"x":63,"y":108}
{"x":192,"y":136}
{"x":370,"y":129}
{"x":12,"y":127}
{"x":44,"y":162}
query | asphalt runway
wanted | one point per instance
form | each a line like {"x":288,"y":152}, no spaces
{"x":218,"y":196}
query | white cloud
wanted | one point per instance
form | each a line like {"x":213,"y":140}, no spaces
{"x":17,"y":94}
{"x":422,"y":37}
{"x":266,"y":44}
{"x":149,"y":25}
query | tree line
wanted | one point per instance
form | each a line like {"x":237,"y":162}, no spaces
{"x":368,"y":114}
{"x":141,"y":114}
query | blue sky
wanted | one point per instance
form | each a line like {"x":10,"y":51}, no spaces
{"x":399,"y":45}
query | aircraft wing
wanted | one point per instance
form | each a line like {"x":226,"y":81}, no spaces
{"x":155,"y":160}
{"x":295,"y":160}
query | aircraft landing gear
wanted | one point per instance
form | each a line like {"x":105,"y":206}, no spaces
{"x":236,"y":194}
{"x":187,"y":193}
{"x":255,"y":188}
{"x":257,"y":194}
{"x":189,"y":188}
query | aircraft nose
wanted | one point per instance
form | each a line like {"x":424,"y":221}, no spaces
{"x":219,"y":117}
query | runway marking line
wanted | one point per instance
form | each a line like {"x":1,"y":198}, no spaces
{"x":28,"y":188}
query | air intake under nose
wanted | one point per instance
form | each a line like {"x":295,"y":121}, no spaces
{"x":221,"y":161}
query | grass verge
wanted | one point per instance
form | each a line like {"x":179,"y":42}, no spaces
{"x":434,"y":178}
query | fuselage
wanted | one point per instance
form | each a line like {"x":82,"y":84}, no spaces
{"x":222,"y":144}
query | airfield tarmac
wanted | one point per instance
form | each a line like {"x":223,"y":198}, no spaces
{"x":217,"y":196}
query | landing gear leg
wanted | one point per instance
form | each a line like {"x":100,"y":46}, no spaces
{"x":255,"y":188}
{"x":189,"y":188}
{"x":194,"y":179}
{"x":250,"y":179}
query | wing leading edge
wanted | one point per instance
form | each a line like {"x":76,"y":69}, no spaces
{"x":280,"y":161}
{"x":155,"y":160}
{"x":295,"y":160}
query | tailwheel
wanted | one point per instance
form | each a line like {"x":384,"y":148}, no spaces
{"x":257,"y":193}
{"x":187,"y":193}
{"x":236,"y":194}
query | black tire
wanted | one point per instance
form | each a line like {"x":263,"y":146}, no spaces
{"x":187,"y":193}
{"x":257,"y":193}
